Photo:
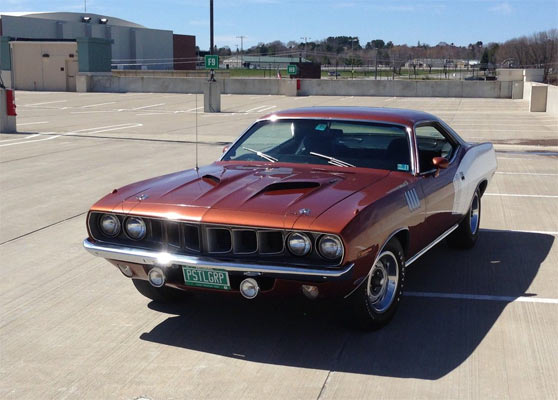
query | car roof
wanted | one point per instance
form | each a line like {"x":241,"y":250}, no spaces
{"x":380,"y":114}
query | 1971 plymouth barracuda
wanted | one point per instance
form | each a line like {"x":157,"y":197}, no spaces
{"x":327,"y":202}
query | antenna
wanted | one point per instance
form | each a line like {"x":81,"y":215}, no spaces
{"x":196,"y":112}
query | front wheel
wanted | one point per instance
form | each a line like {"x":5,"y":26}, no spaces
{"x":374,"y":303}
{"x":467,"y":233}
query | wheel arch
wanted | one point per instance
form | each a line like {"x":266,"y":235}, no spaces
{"x":399,"y":234}
{"x":482,"y":186}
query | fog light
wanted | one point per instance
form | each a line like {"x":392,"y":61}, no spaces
{"x":249,"y":288}
{"x":310,"y":291}
{"x":156,"y":277}
{"x":125,"y":269}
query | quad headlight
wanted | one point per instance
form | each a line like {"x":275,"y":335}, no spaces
{"x":110,"y":225}
{"x":299,"y":244}
{"x":330,"y":247}
{"x":135,"y":228}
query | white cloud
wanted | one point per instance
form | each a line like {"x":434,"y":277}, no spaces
{"x":502,"y":8}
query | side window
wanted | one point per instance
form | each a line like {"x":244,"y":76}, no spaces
{"x":431,"y":142}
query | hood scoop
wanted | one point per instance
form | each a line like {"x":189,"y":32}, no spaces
{"x":289,"y":186}
{"x":211,"y":179}
{"x":279,"y":186}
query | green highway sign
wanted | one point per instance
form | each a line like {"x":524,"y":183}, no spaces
{"x":292,"y":69}
{"x":211,"y":62}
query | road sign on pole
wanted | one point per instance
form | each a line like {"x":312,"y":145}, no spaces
{"x":211,"y":62}
{"x":292,"y":69}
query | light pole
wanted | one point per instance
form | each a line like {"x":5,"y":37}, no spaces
{"x":305,"y":38}
{"x":353,"y":57}
{"x":241,"y":37}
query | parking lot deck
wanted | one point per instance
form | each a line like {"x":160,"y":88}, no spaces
{"x":473,"y":324}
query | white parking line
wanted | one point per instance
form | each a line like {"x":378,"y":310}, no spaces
{"x":527,"y":173}
{"x":542,"y":196}
{"x":256,"y":109}
{"x":554,"y":233}
{"x":347,"y":98}
{"x":32,"y":141}
{"x":46,"y":102}
{"x":194,"y":109}
{"x":32,"y":123}
{"x":144,"y":107}
{"x":463,"y":296}
{"x":100,"y":104}
{"x":267,"y":108}
{"x":20,"y":138}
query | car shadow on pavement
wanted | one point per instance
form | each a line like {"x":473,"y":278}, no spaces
{"x":427,"y":339}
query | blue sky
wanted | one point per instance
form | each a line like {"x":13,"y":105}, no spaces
{"x":402,"y":21}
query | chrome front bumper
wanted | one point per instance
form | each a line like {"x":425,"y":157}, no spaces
{"x":149,"y":257}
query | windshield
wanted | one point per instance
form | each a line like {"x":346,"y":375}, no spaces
{"x":311,"y":141}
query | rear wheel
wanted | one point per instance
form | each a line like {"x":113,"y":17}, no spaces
{"x":374,"y":303}
{"x":467,"y":233}
{"x":162,"y":294}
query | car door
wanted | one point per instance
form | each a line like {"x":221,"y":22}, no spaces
{"x":437,"y":184}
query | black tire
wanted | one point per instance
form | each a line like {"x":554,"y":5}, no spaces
{"x":467,"y":233}
{"x":369,"y":310}
{"x":161,"y":295}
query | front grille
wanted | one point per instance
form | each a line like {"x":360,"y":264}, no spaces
{"x":216,"y":241}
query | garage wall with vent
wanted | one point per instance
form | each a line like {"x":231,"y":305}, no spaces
{"x":49,"y":66}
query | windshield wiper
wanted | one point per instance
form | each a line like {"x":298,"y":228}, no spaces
{"x":262,"y":155}
{"x":333,"y":160}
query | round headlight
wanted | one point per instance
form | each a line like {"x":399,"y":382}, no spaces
{"x":330,"y":247}
{"x":135,"y":228}
{"x":110,"y":225}
{"x":299,"y":244}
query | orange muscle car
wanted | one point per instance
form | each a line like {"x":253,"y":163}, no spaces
{"x":325,"y":202}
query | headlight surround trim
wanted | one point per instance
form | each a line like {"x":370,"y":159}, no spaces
{"x":303,"y":240}
{"x":132,"y":223}
{"x":331,"y":239}
{"x":115,"y":220}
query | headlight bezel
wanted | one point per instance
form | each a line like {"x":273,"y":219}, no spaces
{"x":142,"y":224}
{"x":307,"y":243}
{"x":340,"y":249}
{"x":118,"y":225}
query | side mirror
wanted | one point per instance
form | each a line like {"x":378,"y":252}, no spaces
{"x":440,"y":162}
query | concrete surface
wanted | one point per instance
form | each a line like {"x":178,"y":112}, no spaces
{"x":477,"y":324}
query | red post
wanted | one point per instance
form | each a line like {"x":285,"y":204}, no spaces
{"x":298,"y":84}
{"x":10,"y":103}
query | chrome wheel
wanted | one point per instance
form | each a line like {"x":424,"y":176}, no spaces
{"x":382,"y":282}
{"x":474,"y":214}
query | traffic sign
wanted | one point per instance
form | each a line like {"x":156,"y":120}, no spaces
{"x":292,"y":69}
{"x":211,"y":62}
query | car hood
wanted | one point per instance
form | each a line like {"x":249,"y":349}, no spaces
{"x":243,"y":194}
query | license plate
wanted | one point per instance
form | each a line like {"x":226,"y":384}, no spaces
{"x":209,"y":278}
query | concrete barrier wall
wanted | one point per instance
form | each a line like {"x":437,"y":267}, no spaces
{"x":552,"y":101}
{"x":490,"y":89}
{"x":309,"y":87}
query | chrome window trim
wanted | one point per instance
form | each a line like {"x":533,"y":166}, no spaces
{"x":407,"y":128}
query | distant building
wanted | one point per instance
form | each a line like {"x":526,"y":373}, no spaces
{"x":438,"y":63}
{"x":133,"y":45}
{"x":259,"y":62}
